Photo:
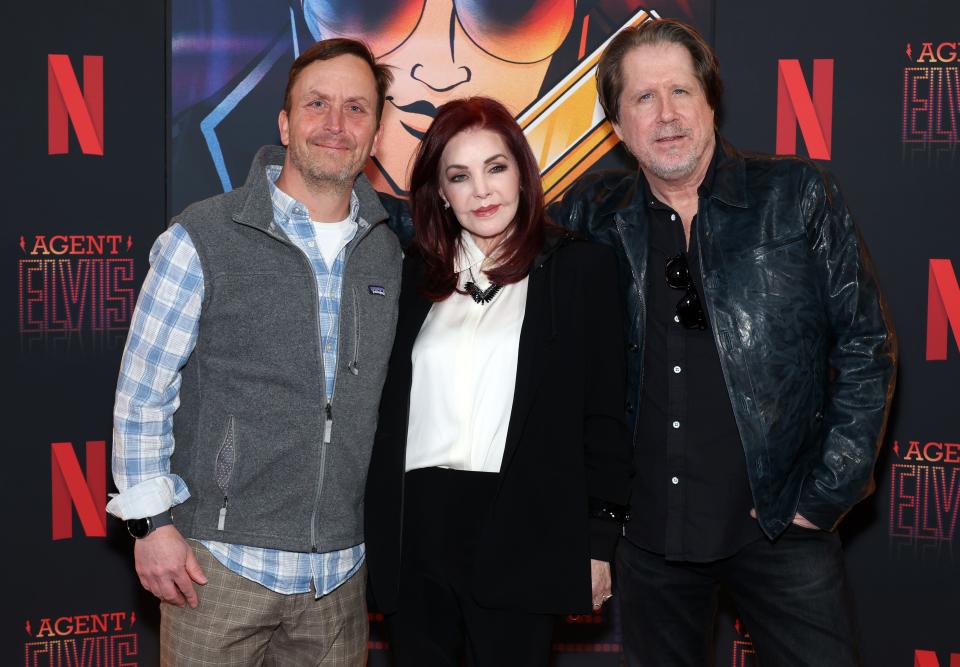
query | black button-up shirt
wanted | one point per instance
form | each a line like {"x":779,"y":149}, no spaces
{"x":691,"y":496}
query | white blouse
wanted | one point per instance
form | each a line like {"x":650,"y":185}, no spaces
{"x":464,"y":372}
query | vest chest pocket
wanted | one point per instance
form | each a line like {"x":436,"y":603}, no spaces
{"x":372,"y":322}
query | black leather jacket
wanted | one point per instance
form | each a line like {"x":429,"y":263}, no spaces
{"x":805,"y":339}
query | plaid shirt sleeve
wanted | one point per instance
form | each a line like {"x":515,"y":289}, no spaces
{"x":162,"y":336}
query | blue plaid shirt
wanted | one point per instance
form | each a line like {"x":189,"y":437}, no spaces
{"x":162,"y":336}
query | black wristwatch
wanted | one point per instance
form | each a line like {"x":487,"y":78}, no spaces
{"x":140,"y":528}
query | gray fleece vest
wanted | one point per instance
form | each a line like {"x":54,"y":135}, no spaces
{"x":249,"y":432}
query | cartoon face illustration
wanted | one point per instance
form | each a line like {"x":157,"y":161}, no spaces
{"x":442,"y":50}
{"x":230,"y":64}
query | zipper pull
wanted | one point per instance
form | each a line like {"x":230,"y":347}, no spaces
{"x":328,"y":424}
{"x":223,"y":515}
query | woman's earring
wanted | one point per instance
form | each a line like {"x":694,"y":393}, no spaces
{"x":446,"y":204}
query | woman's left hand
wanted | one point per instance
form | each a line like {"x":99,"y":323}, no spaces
{"x":600,"y":577}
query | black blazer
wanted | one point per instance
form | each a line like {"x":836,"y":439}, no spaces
{"x":567,"y":451}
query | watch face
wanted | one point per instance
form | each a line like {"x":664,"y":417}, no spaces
{"x":138,"y":527}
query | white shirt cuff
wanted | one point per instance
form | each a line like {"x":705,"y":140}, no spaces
{"x":148,"y":498}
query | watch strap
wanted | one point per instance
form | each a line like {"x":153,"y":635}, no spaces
{"x":140,"y":528}
{"x":162,"y":519}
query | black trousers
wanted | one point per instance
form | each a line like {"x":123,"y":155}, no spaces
{"x":437,"y":621}
{"x":791,"y":595}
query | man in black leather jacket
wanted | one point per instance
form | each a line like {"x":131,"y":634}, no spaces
{"x":761,"y":364}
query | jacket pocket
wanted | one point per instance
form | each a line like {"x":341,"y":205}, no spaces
{"x":772,"y":246}
{"x":224,"y":466}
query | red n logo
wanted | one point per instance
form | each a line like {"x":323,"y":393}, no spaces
{"x":930,"y":659}
{"x":943,"y":308}
{"x":65,"y":101}
{"x":68,"y":486}
{"x":796,"y":106}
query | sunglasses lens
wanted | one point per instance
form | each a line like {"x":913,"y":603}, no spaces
{"x":383,"y":26}
{"x":690,"y":311}
{"x":678,"y":276}
{"x":519,"y":31}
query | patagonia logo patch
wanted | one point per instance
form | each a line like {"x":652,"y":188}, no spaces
{"x":377,"y":290}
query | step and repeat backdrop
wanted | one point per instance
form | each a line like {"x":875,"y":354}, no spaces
{"x":121,"y":114}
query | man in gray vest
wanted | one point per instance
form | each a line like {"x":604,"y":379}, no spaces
{"x":249,"y":388}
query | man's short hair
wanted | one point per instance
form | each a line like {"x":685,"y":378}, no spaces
{"x":653,"y":32}
{"x":328,"y":49}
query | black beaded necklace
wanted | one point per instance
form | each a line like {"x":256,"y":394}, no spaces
{"x":480,"y":296}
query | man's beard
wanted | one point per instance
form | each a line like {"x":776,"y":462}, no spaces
{"x":671,"y":168}
{"x":323,"y":176}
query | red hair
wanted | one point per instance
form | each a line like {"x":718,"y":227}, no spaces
{"x":437,"y":231}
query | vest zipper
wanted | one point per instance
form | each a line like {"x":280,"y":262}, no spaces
{"x":327,"y":413}
{"x":328,"y":416}
{"x":328,"y":408}
{"x":328,"y":424}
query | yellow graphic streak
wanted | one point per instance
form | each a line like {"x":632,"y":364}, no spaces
{"x":566,"y":127}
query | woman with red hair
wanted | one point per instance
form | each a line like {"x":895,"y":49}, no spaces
{"x":501,"y":466}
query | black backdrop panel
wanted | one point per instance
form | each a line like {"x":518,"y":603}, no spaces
{"x":77,"y":230}
{"x":901,"y":543}
{"x":885,"y":98}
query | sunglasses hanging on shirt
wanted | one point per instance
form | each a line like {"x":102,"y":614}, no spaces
{"x":689,"y":309}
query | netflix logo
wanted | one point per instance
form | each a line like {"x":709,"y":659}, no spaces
{"x":808,"y":108}
{"x":924,"y":658}
{"x":81,"y":488}
{"x":70,"y":105}
{"x":943,"y":309}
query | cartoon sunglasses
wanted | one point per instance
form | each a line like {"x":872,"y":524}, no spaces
{"x":515,"y":31}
